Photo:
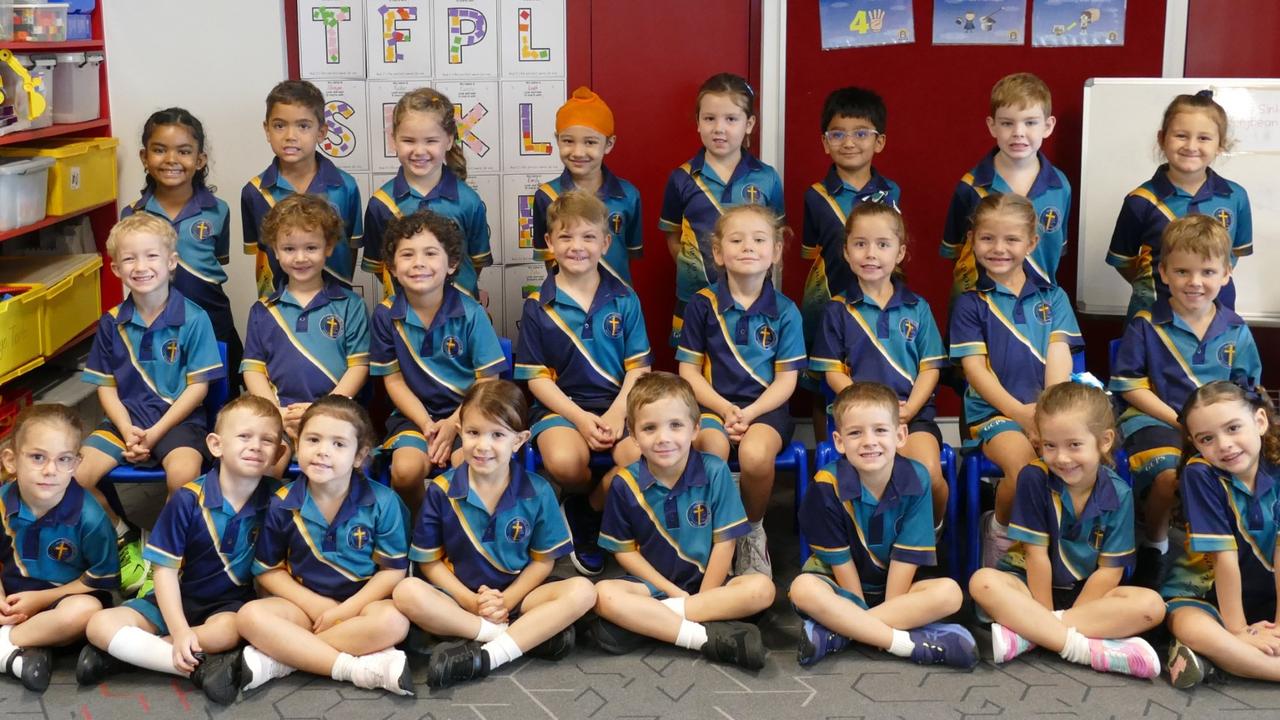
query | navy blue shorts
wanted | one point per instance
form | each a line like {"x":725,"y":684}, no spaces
{"x":187,"y":434}
{"x":779,"y":419}
{"x":196,"y":612}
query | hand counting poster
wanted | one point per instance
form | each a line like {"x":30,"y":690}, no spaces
{"x":862,"y":23}
{"x":979,"y":22}
{"x":1074,"y":23}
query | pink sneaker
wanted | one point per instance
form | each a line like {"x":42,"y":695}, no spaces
{"x":1131,"y":656}
{"x":1007,"y":644}
{"x":994,"y":543}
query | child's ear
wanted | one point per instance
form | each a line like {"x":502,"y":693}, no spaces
{"x":173,"y":261}
{"x":10,"y":461}
{"x":1049,"y":123}
{"x":115,"y":269}
{"x":1259,"y":417}
{"x":991,"y":125}
{"x":901,"y":436}
{"x":214,"y":442}
{"x":1106,"y":441}
{"x":609,"y":143}
{"x":328,"y":249}
{"x":522,"y":437}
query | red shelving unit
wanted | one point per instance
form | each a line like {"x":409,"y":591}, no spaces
{"x":64,"y":46}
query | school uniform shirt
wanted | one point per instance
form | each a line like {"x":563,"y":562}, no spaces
{"x":846,"y":523}
{"x":1161,"y":353}
{"x":73,"y":541}
{"x":890,"y":345}
{"x":694,"y":199}
{"x":452,"y":198}
{"x":586,"y":352}
{"x":827,"y":205}
{"x":621,"y":200}
{"x":1050,"y":194}
{"x":674,"y":529}
{"x":483,"y":548}
{"x":1044,"y":514}
{"x":1014,"y":331}
{"x":334,"y":559}
{"x":150,"y":366}
{"x":1135,"y":243}
{"x":264,"y":190}
{"x":209,"y":542}
{"x":741,"y":350}
{"x":439,"y":361}
{"x":304,"y":351}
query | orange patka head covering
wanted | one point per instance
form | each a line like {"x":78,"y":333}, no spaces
{"x":585,"y":108}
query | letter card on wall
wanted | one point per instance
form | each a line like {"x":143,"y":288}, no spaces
{"x":346,"y":119}
{"x":399,"y":38}
{"x":529,"y":126}
{"x":466,"y":43}
{"x":331,"y":39}
{"x":533,"y":42}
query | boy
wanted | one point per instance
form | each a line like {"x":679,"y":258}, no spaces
{"x":584,"y":134}
{"x":869,"y":519}
{"x":152,"y":359}
{"x":1181,"y":343}
{"x":1021,"y":118}
{"x":58,"y":557}
{"x":202,"y":551}
{"x":678,"y":588}
{"x":293,"y":126}
{"x":582,"y":346}
{"x":310,"y":336}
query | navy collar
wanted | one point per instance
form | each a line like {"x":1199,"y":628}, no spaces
{"x":1034,"y":282}
{"x":902,"y":295}
{"x":610,"y":187}
{"x":694,"y":474}
{"x":1224,"y":318}
{"x":903,"y":482}
{"x":450,"y":307}
{"x":447,"y":188}
{"x":876,"y":190}
{"x":332,"y":290}
{"x":200,"y":200}
{"x":66,"y":512}
{"x":746,"y":163}
{"x":174,"y":313}
{"x":1214,"y":184}
{"x":327,"y":175}
{"x":357,"y":494}
{"x":1103,"y":498}
{"x":518,"y":485}
{"x":213,"y":498}
{"x":766,"y":304}
{"x":985,"y":174}
{"x":610,"y":287}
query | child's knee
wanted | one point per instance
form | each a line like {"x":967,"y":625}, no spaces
{"x":760,"y":590}
{"x":608,"y":592}
{"x":581,"y":592}
{"x":949,"y":595}
{"x":407,"y":470}
{"x":1150,"y":602}
{"x":1167,"y":481}
{"x":984,"y":582}
{"x":390,"y":619}
{"x":804,"y":590}
{"x":756,"y":458}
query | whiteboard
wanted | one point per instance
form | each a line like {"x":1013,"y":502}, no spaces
{"x":1118,"y":153}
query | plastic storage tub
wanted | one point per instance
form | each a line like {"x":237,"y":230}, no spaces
{"x":71,"y":290}
{"x":6,"y":20}
{"x":19,"y":346}
{"x":42,"y":67}
{"x":40,"y":22}
{"x":17,"y":106}
{"x":75,"y":87}
{"x":80,"y":21}
{"x":83,"y":173}
{"x":24,"y":187}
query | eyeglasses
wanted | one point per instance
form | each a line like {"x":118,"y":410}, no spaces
{"x":837,"y":137}
{"x":63,"y":463}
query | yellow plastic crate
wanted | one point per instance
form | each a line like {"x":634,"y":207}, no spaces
{"x":19,"y":346}
{"x":83,"y":172}
{"x":72,"y":293}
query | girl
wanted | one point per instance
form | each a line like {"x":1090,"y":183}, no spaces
{"x":879,"y":331}
{"x":486,"y":587}
{"x":332,"y":548}
{"x":1013,"y":335}
{"x":429,"y":343}
{"x":1192,"y":134}
{"x":1222,"y":591}
{"x":741,"y":349}
{"x":719,"y":176}
{"x":177,"y":189}
{"x":432,"y":170}
{"x":1059,"y":585}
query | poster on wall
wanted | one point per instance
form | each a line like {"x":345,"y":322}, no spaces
{"x":465,"y":45}
{"x":1075,"y":23}
{"x":517,"y":217}
{"x":518,"y":281}
{"x":979,"y":22}
{"x":475,"y":105}
{"x":529,"y":126}
{"x":331,"y":39}
{"x":532,"y":34}
{"x":346,"y":132}
{"x":383,"y":95}
{"x":862,"y":23}
{"x":398,"y":38}
{"x":489,"y":188}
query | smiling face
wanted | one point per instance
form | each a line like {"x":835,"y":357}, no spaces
{"x":172,"y":156}
{"x":1001,"y":242}
{"x":1194,"y":281}
{"x":421,"y":145}
{"x":328,"y":450}
{"x":664,"y":430}
{"x":874,"y":249}
{"x":851,"y":153}
{"x":245,"y":443}
{"x":293,"y":132}
{"x":1020,"y":132}
{"x":44,"y":463}
{"x":723,"y":124}
{"x":1229,"y":435}
{"x":1191,"y":142}
{"x":577,"y":245}
{"x":301,"y":254}
{"x":487,"y":444}
{"x":144,"y":262}
{"x":869,"y":436}
{"x":1070,"y":449}
{"x":747,"y":246}
{"x":421,"y":265}
{"x":582,"y":150}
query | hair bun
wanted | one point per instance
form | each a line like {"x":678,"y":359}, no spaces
{"x":1206,"y":94}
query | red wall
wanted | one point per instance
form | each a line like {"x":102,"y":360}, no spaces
{"x":937,"y":97}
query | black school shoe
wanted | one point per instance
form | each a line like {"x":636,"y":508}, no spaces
{"x":94,"y":665}
{"x":37,"y":667}
{"x":555,"y":647}
{"x":614,"y":639}
{"x":455,"y":662}
{"x":219,"y":675}
{"x":1149,"y":570}
{"x":734,"y":642}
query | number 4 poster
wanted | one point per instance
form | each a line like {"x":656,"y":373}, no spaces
{"x":861,"y":23}
{"x":1072,"y":23}
{"x":979,"y":22}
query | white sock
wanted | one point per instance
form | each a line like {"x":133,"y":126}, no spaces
{"x":1076,"y":648}
{"x":143,"y":649}
{"x":501,"y":650}
{"x":7,"y":647}
{"x":342,"y":667}
{"x":17,"y":667}
{"x":1001,"y":530}
{"x":901,"y":644}
{"x":675,"y":605}
{"x":1161,"y":545}
{"x":1059,"y":613}
{"x":757,"y":526}
{"x":263,"y":667}
{"x":122,"y":528}
{"x":692,"y":635}
{"x":488,"y":631}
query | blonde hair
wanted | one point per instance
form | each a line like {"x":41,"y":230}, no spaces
{"x":1021,"y":91}
{"x":576,"y":205}
{"x":302,"y":211}
{"x":51,"y":413}
{"x":1199,"y":234}
{"x":658,"y":385}
{"x":428,"y":100}
{"x":254,"y":404}
{"x":141,"y":223}
{"x":780,"y":230}
{"x":899,"y":227}
{"x":865,"y":393}
{"x":1092,"y":402}
{"x":1005,"y":204}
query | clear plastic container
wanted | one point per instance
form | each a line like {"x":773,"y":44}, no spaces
{"x":42,"y":67}
{"x":40,"y":22}
{"x":6,"y":20}
{"x":24,"y":189}
{"x":17,"y":108}
{"x":76,"y":93}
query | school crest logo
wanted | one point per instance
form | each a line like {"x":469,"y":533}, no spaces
{"x":1096,"y":538}
{"x":1227,"y":354}
{"x":766,"y":337}
{"x":61,"y":550}
{"x":331,"y":326}
{"x":908,"y":328}
{"x":1050,"y":219}
{"x":1044,"y":312}
{"x":1224,"y":216}
{"x":170,"y":351}
{"x":201,"y":230}
{"x":751,"y":193}
{"x":517,"y":529}
{"x":451,"y":346}
{"x":613,"y":325}
{"x":698,"y":514}
{"x":253,"y":535}
{"x":359,"y":537}
{"x":615,"y":223}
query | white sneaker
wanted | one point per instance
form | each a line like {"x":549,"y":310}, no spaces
{"x":386,"y":670}
{"x":994,"y":543}
{"x":751,"y":554}
{"x":258,"y":668}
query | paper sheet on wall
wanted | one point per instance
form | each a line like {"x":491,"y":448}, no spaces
{"x":398,"y":38}
{"x":346,"y":118}
{"x":862,"y":23}
{"x":492,"y":282}
{"x":1074,"y":23}
{"x":533,"y":39}
{"x":517,"y":216}
{"x":383,"y":95}
{"x":979,"y":22}
{"x":489,"y":188}
{"x":465,"y":45}
{"x":479,"y":124}
{"x":518,"y":281}
{"x":331,"y":39}
{"x":1253,"y":115}
{"x":529,"y":126}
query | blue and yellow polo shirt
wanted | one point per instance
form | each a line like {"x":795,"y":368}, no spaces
{"x":73,"y":541}
{"x":621,"y":200}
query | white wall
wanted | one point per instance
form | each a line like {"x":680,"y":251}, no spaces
{"x":216,"y":59}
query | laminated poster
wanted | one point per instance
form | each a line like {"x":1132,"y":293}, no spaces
{"x":529,"y":126}
{"x":517,"y":221}
{"x":466,"y":39}
{"x":489,"y":188}
{"x":1076,"y":23}
{"x":331,"y":39}
{"x":475,"y":107}
{"x":979,"y":22}
{"x":346,"y":132}
{"x":533,"y":41}
{"x":398,"y":34}
{"x":862,"y":23}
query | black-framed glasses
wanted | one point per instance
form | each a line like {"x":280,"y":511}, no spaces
{"x":837,"y":137}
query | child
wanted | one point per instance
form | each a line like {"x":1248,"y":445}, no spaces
{"x":153,"y":358}
{"x":1222,"y":591}
{"x":722,"y":174}
{"x":430,"y":342}
{"x":678,"y":588}
{"x":294,"y":124}
{"x":744,"y":380}
{"x":202,"y":551}
{"x":432,"y":170}
{"x":58,"y":549}
{"x":1059,"y":585}
{"x":332,"y":548}
{"x":584,"y":134}
{"x":853,"y":123}
{"x":486,"y":587}
{"x":1013,"y":335}
{"x":310,"y":336}
{"x":582,"y":346}
{"x":1021,"y":118}
{"x":1192,"y":134}
{"x":877,"y":330}
{"x":177,"y":170}
{"x":1187,"y":338}
{"x":870,"y":523}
